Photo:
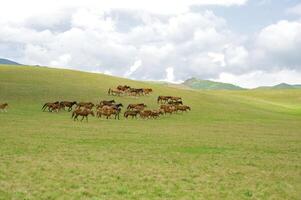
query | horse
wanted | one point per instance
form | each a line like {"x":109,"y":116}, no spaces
{"x":84,"y":104}
{"x":123,"y":87}
{"x":156,"y":113}
{"x":49,"y":105}
{"x":115,"y":92}
{"x":105,"y":102}
{"x":54,"y":107}
{"x":108,"y":111}
{"x":84,"y":113}
{"x":147,"y":91}
{"x":132,"y":113}
{"x":132,"y":106}
{"x":145,"y":114}
{"x":168,"y":108}
{"x":183,"y":108}
{"x":175,"y":102}
{"x":3,"y":107}
{"x":68,"y":104}
{"x":163,"y":99}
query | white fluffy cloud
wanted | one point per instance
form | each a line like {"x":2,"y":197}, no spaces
{"x":148,"y":40}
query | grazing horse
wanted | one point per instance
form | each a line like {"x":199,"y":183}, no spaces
{"x":49,"y":105}
{"x":84,"y":113}
{"x":3,"y":107}
{"x":133,"y":106}
{"x":132,"y":113}
{"x":68,"y":104}
{"x":163,"y":99}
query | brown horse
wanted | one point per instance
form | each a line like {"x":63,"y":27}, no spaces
{"x":68,"y":104}
{"x":182,"y":108}
{"x":84,"y":113}
{"x":163,"y":99}
{"x":132,"y":113}
{"x":133,"y":106}
{"x":147,"y":91}
{"x":84,"y":104}
{"x":105,"y":102}
{"x":115,"y":92}
{"x":3,"y":107}
{"x":108,"y":111}
{"x":49,"y":105}
{"x":123,"y":87}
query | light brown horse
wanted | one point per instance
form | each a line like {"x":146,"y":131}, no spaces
{"x":107,"y":111}
{"x":147,"y":91}
{"x":84,"y":113}
{"x":115,"y":92}
{"x":3,"y":107}
{"x":84,"y":104}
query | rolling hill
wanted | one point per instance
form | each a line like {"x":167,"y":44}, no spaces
{"x":195,"y":83}
{"x":281,"y":86}
{"x":7,"y":62}
{"x":234,"y":144}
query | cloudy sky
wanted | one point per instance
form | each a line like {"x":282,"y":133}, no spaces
{"x":245,"y":42}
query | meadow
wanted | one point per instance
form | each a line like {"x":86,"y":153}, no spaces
{"x":242,"y":144}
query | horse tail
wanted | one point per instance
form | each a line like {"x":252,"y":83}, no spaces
{"x":44,"y":106}
{"x":73,"y":113}
{"x":109,"y":91}
{"x":158,"y":99}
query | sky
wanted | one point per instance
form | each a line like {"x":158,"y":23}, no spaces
{"x":249,"y":43}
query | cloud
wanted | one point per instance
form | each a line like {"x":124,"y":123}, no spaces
{"x":133,"y":68}
{"x":296,"y":10}
{"x":261,"y":78}
{"x":149,"y":45}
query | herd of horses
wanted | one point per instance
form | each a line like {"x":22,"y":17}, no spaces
{"x":127,"y":90}
{"x":109,"y":108}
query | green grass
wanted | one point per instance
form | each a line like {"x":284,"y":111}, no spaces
{"x":232,"y":145}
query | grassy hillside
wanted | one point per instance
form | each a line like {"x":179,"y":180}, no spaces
{"x":209,"y":85}
{"x":232,"y":145}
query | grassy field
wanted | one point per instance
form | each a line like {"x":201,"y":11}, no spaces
{"x":232,"y":145}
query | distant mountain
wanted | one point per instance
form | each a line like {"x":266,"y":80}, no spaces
{"x":195,"y":83}
{"x":281,"y":86}
{"x":8,"y":62}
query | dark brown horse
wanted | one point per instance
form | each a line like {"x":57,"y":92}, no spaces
{"x":68,"y":104}
{"x":49,"y":105}
{"x":84,"y":113}
{"x":3,"y":107}
{"x":132,"y":113}
{"x":133,"y":106}
{"x":163,"y":99}
{"x":84,"y":104}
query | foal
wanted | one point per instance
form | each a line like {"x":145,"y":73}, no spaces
{"x":3,"y":107}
